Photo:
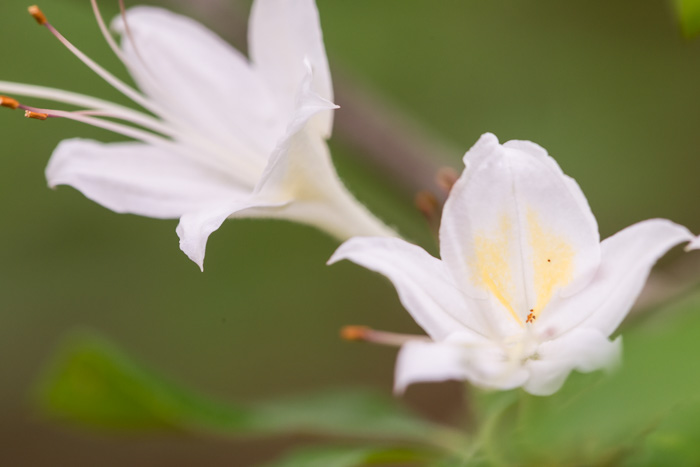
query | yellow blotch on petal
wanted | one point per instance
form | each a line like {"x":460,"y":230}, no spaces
{"x":552,"y":261}
{"x":491,"y":266}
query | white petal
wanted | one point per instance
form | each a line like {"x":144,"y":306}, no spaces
{"x":301,"y":163}
{"x":584,"y":350}
{"x":196,"y":226}
{"x":137,"y":178}
{"x":463,"y":358}
{"x":282,"y":34}
{"x":517,"y":229}
{"x":694,"y":245}
{"x":201,"y":80}
{"x":627,"y":259}
{"x":422,"y":282}
{"x":300,"y":170}
{"x":426,"y":362}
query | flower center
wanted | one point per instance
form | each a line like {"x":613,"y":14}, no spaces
{"x":522,"y":267}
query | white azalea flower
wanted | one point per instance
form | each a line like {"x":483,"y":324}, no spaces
{"x":231,"y":137}
{"x":525,"y":291}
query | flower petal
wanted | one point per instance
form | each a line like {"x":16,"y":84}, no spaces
{"x":282,"y":34}
{"x":300,"y":170}
{"x":627,"y":259}
{"x":137,"y":178}
{"x":301,"y":163}
{"x":694,"y":245}
{"x":584,"y":350}
{"x":464,"y":358}
{"x":516,"y":228}
{"x":427,"y":362}
{"x":201,"y":80}
{"x":196,"y":226}
{"x":422,"y":282}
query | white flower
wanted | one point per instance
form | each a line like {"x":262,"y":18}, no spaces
{"x":525,"y":292}
{"x":232,"y":137}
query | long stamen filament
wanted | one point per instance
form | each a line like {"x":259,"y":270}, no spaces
{"x":118,"y":84}
{"x":243,"y":174}
{"x":244,"y":171}
{"x":118,"y":51}
{"x":118,"y":128}
{"x":80,"y":100}
{"x":365,"y":334}
{"x":106,"y":34}
{"x":130,"y":36}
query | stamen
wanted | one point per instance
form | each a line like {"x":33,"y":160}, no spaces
{"x":118,"y":84}
{"x":37,"y":14}
{"x":106,"y":34}
{"x":366,"y":334}
{"x":84,"y":117}
{"x":427,"y":204}
{"x":354,"y":333}
{"x":127,"y":31}
{"x":36,"y":115}
{"x":107,"y":108}
{"x":8,"y":102}
{"x":446,"y":178}
{"x":531,"y":317}
{"x":116,"y":49}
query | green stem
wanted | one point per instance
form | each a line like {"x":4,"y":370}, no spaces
{"x":484,"y":440}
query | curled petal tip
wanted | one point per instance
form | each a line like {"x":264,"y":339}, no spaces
{"x":37,"y":14}
{"x":693,"y":245}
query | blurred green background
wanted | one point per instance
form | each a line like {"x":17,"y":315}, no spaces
{"x":610,"y":88}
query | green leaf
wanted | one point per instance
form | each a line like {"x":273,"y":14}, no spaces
{"x":689,"y":16}
{"x":93,"y":383}
{"x":675,"y":441}
{"x":598,"y":418}
{"x":352,"y":457}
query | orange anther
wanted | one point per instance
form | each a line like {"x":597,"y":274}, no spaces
{"x":8,"y":102}
{"x":354,"y":333}
{"x":37,"y":14}
{"x":35,"y":115}
{"x":531,"y":317}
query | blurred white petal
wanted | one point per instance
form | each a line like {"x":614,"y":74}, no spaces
{"x":583,"y":349}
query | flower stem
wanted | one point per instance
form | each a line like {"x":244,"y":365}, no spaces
{"x":488,"y":426}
